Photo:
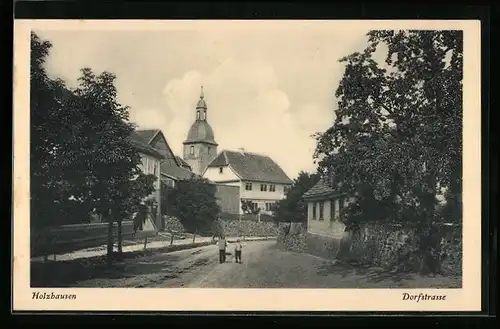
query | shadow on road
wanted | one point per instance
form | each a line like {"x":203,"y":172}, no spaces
{"x":371,"y":274}
{"x":67,"y":273}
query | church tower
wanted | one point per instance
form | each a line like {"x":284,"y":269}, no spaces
{"x":200,"y":147}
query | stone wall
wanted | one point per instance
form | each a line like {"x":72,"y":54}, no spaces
{"x":292,"y":237}
{"x":248,"y":228}
{"x":394,"y":246}
{"x":230,"y":228}
{"x":374,"y":244}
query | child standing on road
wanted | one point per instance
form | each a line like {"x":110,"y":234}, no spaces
{"x":237,"y":251}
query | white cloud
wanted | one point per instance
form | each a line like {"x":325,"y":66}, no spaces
{"x":267,"y":91}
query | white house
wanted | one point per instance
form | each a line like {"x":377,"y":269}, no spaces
{"x":259,"y":178}
{"x":324,"y":208}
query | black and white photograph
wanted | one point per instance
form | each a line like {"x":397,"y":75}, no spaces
{"x":249,"y":155}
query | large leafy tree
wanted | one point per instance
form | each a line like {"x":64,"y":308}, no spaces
{"x":82,"y":156}
{"x":293,"y":208}
{"x":397,"y":138}
{"x":50,"y":201}
{"x":193,"y":202}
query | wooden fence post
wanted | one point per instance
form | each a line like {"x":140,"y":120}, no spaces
{"x":145,"y":242}
{"x":194,"y":236}
{"x":171,"y":238}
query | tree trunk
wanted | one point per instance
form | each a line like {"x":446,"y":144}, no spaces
{"x":110,"y":238}
{"x":120,"y":238}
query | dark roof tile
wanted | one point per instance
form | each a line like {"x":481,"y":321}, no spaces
{"x":252,"y":167}
{"x":143,"y":146}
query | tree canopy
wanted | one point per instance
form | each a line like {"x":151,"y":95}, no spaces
{"x":193,"y":202}
{"x":293,"y":208}
{"x":396,"y":142}
{"x":82,"y":158}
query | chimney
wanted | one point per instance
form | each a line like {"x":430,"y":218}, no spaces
{"x":242,"y":150}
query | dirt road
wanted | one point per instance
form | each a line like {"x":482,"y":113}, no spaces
{"x":264,"y":266}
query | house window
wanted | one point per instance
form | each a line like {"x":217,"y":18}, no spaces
{"x":191,"y":150}
{"x":263,"y":187}
{"x":221,"y":169}
{"x":321,"y":208}
{"x":154,"y":168}
{"x":255,"y":206}
{"x":248,"y":186}
{"x":286,"y":189}
{"x":314,"y":210}
{"x":269,"y":206}
{"x":272,"y":188}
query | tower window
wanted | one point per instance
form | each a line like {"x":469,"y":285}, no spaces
{"x":209,"y":150}
{"x":197,"y":115}
{"x":221,"y":169}
{"x":191,"y":150}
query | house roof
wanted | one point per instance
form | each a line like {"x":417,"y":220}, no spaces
{"x":147,"y":134}
{"x":182,"y":162}
{"x":176,"y":172}
{"x":143,"y":146}
{"x":251,"y":166}
{"x":320,"y":189}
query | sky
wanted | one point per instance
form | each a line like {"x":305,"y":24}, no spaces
{"x":267,"y":90}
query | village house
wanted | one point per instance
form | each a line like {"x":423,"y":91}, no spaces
{"x":238,"y":175}
{"x":324,"y":209}
{"x":172,"y":168}
{"x":150,"y":164}
{"x":257,"y":177}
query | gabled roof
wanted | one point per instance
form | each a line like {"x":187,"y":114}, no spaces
{"x":143,"y":146}
{"x":320,"y":189}
{"x":251,"y":167}
{"x":148,"y":135}
{"x":182,"y":162}
{"x":175,"y":172}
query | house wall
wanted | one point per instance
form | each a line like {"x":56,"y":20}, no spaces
{"x":329,"y":225}
{"x":227,"y":175}
{"x":151,"y":165}
{"x":160,"y":144}
{"x":228,"y":198}
{"x":261,"y":198}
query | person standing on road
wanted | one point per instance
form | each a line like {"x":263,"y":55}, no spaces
{"x":222,"y":249}
{"x":237,"y":251}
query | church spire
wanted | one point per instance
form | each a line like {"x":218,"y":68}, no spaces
{"x":201,"y":107}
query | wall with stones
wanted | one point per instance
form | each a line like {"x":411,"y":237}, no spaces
{"x":394,"y":246}
{"x":230,"y":228}
{"x":292,"y":237}
{"x":375,"y":244}
{"x":248,"y":228}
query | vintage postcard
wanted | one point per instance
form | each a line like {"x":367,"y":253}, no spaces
{"x":247,"y":165}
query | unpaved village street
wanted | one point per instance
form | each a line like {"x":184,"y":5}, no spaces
{"x":264,"y":266}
